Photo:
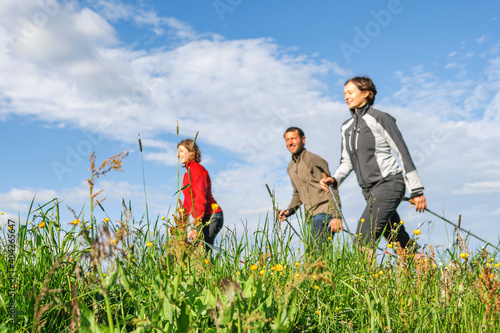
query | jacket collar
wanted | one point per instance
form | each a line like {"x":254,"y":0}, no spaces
{"x":361,"y":111}
{"x":300,"y":155}
{"x":189,"y":164}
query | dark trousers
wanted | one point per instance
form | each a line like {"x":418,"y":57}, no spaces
{"x":212,"y":224}
{"x":380,"y":213}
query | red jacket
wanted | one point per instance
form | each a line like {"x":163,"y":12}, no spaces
{"x":199,"y":193}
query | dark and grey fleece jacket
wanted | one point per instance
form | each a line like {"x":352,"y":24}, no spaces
{"x":367,"y":140}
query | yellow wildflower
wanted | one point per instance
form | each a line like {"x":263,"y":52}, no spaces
{"x":297,"y":264}
{"x":389,"y":245}
{"x":402,"y":222}
{"x":41,"y":224}
{"x":362,"y":220}
{"x":206,"y":261}
{"x":316,"y":287}
{"x":318,"y":312}
{"x":163,"y":217}
{"x":149,"y":244}
{"x":464,"y":255}
{"x":215,"y":207}
{"x":297,"y":275}
{"x":262,"y":272}
{"x":106,"y":219}
{"x":1,"y":213}
{"x":75,"y":222}
{"x":416,"y":232}
{"x":253,"y":267}
{"x":278,"y":268}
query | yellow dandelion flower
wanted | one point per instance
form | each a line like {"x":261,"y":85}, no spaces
{"x":206,"y":261}
{"x":106,"y":219}
{"x":149,"y":244}
{"x":316,"y":287}
{"x":215,"y":207}
{"x":253,"y":267}
{"x":416,"y":232}
{"x":41,"y":225}
{"x":389,"y":245}
{"x":297,"y":264}
{"x":262,"y":272}
{"x":464,"y":255}
{"x":297,"y":275}
{"x":279,"y":268}
{"x":318,"y":312}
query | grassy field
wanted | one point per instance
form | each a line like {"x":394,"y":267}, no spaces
{"x":126,"y":275}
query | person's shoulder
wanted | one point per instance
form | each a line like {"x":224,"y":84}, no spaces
{"x":313,"y":157}
{"x":379,"y":115}
{"x":347,"y":121}
{"x":198,"y":167}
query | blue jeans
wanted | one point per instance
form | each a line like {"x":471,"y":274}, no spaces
{"x":320,"y":229}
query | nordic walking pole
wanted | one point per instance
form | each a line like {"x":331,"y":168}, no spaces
{"x":276,"y":211}
{"x":325,"y":175}
{"x":453,"y":224}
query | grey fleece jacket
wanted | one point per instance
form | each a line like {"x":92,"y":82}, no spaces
{"x":367,"y":140}
{"x":305,"y":177}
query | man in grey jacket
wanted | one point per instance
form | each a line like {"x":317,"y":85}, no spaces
{"x":305,"y":176}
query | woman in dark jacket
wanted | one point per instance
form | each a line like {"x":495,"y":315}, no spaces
{"x":367,"y":140}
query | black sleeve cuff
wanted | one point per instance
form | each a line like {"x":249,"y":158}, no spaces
{"x":416,"y":194}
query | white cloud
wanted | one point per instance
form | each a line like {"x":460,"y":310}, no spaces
{"x":480,"y":187}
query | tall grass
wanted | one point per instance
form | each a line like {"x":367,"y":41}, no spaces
{"x":128,"y":275}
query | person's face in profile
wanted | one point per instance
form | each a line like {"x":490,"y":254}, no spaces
{"x":184,"y":154}
{"x":354,"y":97}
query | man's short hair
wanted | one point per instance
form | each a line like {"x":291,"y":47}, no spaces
{"x":293,"y":129}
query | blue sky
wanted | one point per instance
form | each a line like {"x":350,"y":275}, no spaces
{"x":83,"y":76}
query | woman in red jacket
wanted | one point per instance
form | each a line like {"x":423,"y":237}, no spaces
{"x":197,"y":190}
